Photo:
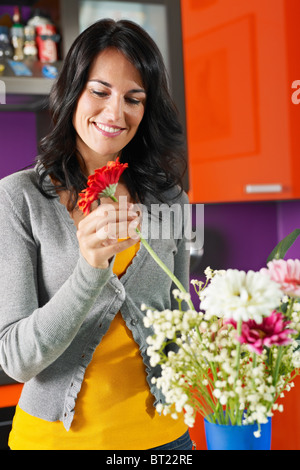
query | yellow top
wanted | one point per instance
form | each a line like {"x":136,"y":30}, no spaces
{"x":114,"y":408}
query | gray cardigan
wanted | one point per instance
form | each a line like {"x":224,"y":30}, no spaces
{"x":55,"y":308}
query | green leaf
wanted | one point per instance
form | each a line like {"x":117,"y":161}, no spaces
{"x":283,"y":246}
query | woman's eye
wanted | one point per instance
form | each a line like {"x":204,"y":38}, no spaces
{"x":132,"y":101}
{"x":102,"y":94}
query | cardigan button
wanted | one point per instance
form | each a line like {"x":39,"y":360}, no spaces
{"x":134,"y":321}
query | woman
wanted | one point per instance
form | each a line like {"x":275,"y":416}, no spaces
{"x":71,"y":327}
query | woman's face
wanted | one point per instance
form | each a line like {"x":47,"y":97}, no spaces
{"x":109,"y":110}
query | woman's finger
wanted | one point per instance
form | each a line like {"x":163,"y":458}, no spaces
{"x":104,"y":215}
{"x":99,"y":257}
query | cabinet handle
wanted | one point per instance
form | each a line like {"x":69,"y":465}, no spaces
{"x":263,"y":188}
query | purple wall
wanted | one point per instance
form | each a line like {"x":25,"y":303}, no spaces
{"x":26,"y":12}
{"x":18,"y":147}
{"x":289,"y":219}
{"x":242,"y":235}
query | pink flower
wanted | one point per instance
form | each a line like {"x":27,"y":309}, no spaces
{"x":287,"y":274}
{"x":272,"y":331}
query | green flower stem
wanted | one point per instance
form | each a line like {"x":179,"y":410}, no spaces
{"x":164,"y":267}
{"x":281,"y":349}
{"x":238,"y":349}
{"x":254,"y":360}
{"x":158,"y":261}
{"x":290,"y":308}
{"x":238,"y":416}
{"x":278,"y":362}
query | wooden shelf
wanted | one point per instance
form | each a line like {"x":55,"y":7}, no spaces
{"x":36,"y":84}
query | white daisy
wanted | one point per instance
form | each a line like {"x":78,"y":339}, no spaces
{"x":241,"y":296}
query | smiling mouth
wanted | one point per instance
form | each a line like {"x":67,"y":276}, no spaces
{"x":107,"y":130}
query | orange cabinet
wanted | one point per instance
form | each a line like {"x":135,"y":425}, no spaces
{"x":240,"y":61}
{"x":10,"y":394}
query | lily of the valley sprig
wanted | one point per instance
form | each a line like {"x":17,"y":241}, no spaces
{"x":103,"y":183}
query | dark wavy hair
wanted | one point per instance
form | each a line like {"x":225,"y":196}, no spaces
{"x":156,"y":153}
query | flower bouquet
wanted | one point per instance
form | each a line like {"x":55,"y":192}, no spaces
{"x":234,"y":357}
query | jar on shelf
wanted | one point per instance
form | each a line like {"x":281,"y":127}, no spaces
{"x":38,"y":19}
{"x":6,"y":50}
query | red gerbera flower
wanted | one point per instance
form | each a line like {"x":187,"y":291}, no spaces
{"x":102,"y":183}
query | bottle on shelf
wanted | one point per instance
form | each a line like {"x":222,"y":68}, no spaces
{"x":46,"y":36}
{"x":30,"y":48}
{"x":46,"y":40}
{"x":17,"y":15}
{"x":17,"y":39}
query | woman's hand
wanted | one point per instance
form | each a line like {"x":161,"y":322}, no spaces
{"x":98,"y":233}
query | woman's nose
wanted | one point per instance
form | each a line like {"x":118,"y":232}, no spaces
{"x":115,"y":109}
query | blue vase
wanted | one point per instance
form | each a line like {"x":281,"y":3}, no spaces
{"x":223,"y":437}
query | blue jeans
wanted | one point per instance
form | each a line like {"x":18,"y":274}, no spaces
{"x":182,"y":443}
